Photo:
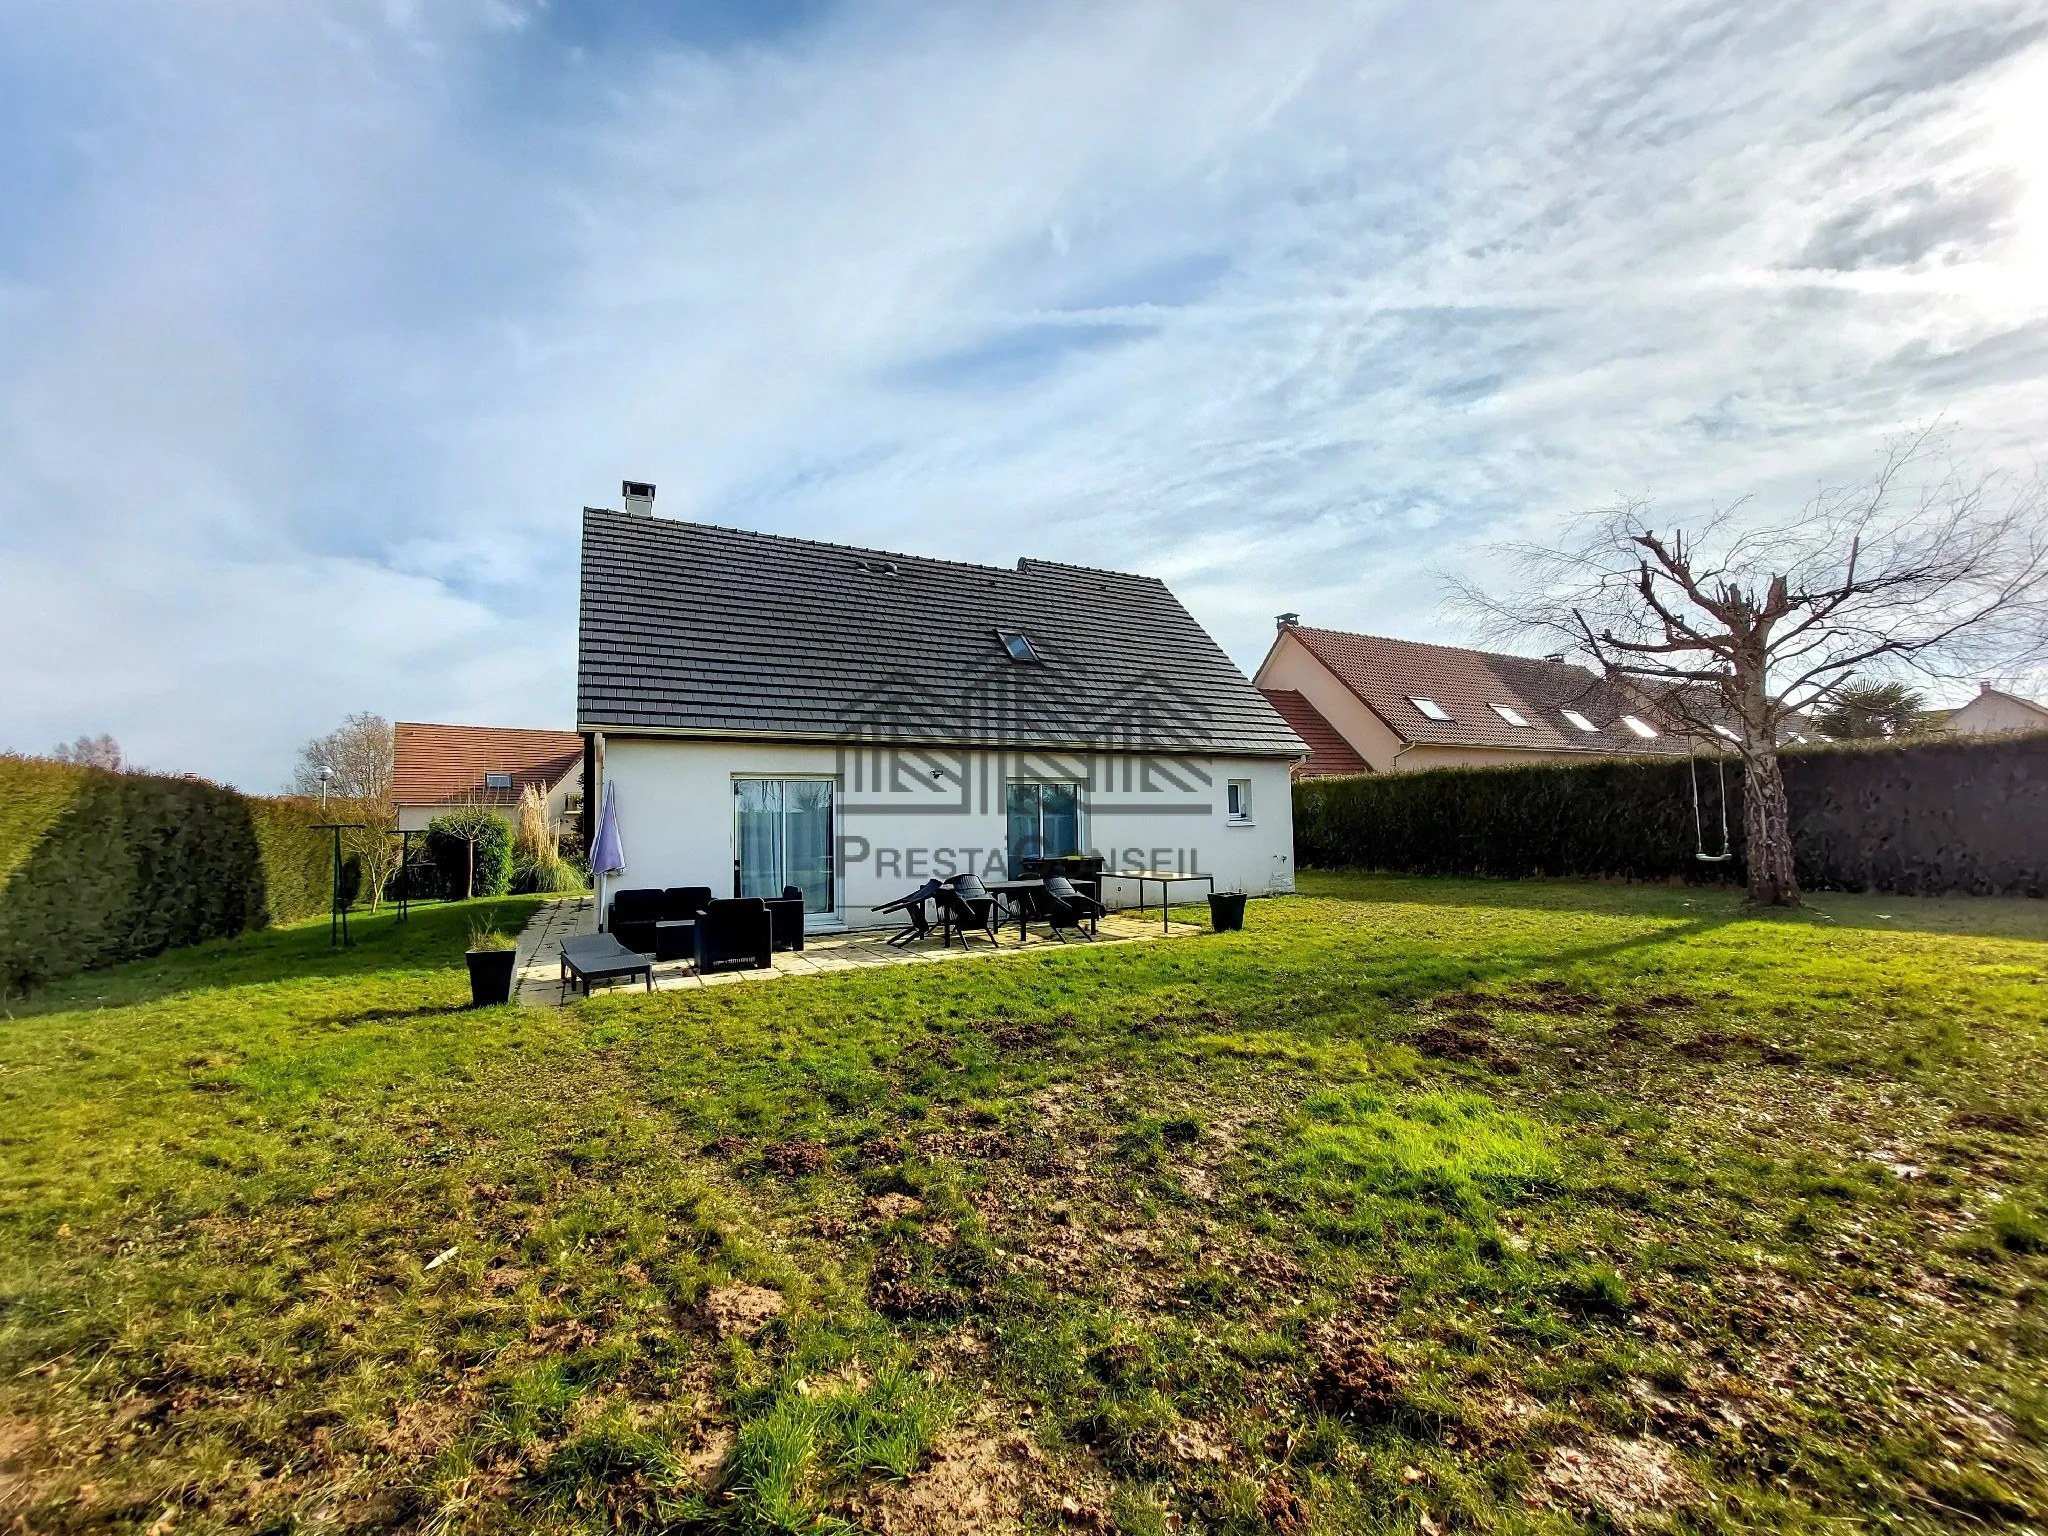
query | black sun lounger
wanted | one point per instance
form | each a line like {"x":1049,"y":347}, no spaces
{"x":600,"y":957}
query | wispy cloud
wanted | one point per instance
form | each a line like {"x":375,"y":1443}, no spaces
{"x":318,"y":324}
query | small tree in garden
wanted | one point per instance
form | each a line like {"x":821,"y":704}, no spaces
{"x":472,"y":851}
{"x":373,"y":843}
{"x":1872,"y":712}
{"x":1746,"y":625}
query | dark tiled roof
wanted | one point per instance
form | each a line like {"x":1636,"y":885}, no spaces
{"x":1328,"y":752}
{"x":1386,"y":674}
{"x":441,"y":764}
{"x":695,"y":629}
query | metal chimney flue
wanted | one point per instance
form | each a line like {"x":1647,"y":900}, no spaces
{"x":639,"y":496}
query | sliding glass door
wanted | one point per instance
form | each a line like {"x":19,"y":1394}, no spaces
{"x":1045,"y":819}
{"x":782,"y":836}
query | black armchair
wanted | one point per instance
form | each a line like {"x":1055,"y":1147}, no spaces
{"x":917,"y":922}
{"x":631,"y":916}
{"x":735,"y":935}
{"x":1064,"y":907}
{"x":965,"y":906}
{"x":786,"y":917}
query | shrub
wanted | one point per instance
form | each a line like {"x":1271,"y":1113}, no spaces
{"x":451,"y":838}
{"x":99,"y":867}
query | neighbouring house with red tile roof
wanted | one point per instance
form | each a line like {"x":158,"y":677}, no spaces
{"x":437,"y":768}
{"x":1364,"y":703}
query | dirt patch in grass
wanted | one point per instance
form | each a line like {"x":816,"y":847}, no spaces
{"x":1353,"y":1376}
{"x":974,"y":1483}
{"x":1629,"y":1481}
{"x":740,"y":1309}
{"x":792,"y":1159}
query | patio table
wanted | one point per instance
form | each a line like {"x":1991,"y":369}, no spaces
{"x":1165,"y":889}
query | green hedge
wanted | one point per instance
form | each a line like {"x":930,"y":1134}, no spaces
{"x":1931,"y":817}
{"x":97,"y":867}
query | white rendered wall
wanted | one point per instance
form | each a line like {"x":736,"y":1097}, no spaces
{"x":906,"y":815}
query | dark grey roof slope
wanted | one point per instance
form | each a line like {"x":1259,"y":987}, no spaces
{"x":694,"y":629}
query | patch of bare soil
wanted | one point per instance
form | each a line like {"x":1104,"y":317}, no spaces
{"x":1447,"y":1042}
{"x":741,"y":1309}
{"x":975,"y":1483}
{"x":1553,"y":997}
{"x":710,"y":1444}
{"x":1352,"y":1375}
{"x":1626,"y":1480}
{"x":792,"y":1158}
{"x":1281,"y":1508}
{"x":424,"y":1427}
{"x":894,"y":1291}
{"x":17,"y":1436}
{"x":889,"y":1207}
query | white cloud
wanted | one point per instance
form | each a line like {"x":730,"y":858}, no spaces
{"x":327,"y":321}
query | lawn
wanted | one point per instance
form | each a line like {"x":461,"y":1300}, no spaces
{"x":1419,"y":1206}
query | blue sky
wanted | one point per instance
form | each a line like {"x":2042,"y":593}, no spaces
{"x":320,"y":322}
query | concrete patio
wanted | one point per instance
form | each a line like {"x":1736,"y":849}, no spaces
{"x":538,"y":967}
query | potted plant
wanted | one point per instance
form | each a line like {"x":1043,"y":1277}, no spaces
{"x":1226,"y":911}
{"x":490,"y":958}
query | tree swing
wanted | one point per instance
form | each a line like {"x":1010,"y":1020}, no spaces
{"x":1699,"y":830}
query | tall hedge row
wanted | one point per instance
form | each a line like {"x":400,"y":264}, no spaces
{"x":1925,"y":818}
{"x":98,"y":867}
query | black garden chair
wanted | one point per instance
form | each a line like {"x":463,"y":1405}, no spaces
{"x":735,"y":935}
{"x":917,"y":921}
{"x":1063,"y":907}
{"x":965,"y":906}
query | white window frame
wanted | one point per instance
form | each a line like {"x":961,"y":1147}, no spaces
{"x":1642,"y":728}
{"x":1512,"y":716}
{"x":1573,"y":718}
{"x":1429,"y":709}
{"x":497,"y":781}
{"x":1242,"y":815}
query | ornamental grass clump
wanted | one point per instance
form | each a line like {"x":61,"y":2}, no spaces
{"x":537,"y":864}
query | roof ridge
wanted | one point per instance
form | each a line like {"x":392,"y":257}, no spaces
{"x":1434,"y":645}
{"x":861,"y":549}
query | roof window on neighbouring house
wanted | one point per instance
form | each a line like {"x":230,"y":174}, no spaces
{"x":1430,"y":708}
{"x":1641,"y":727}
{"x":1512,"y":716}
{"x":497,"y":781}
{"x":1574,"y":718}
{"x":1018,"y":646}
{"x":1722,"y":730}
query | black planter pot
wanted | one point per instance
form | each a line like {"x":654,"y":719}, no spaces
{"x":490,"y":976}
{"x":1226,"y":911}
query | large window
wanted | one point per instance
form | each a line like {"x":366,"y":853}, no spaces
{"x":1045,"y":819}
{"x":782,"y":836}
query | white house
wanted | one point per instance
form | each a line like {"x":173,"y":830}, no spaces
{"x":1994,"y":712}
{"x":772,"y":712}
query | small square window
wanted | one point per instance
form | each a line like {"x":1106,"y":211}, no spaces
{"x":1573,"y":717}
{"x":1722,"y":730}
{"x":1430,"y":708}
{"x":1512,"y":716}
{"x":1237,"y":798}
{"x":1642,"y":728}
{"x":497,"y":781}
{"x":1018,"y":646}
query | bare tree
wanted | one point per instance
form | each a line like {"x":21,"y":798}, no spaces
{"x":100,"y":751}
{"x":1744,"y":627}
{"x":359,"y":752}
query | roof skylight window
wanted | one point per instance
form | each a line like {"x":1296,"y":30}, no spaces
{"x":497,"y":781}
{"x":1512,"y":716}
{"x":1573,"y":717}
{"x":1430,"y":708}
{"x":1018,"y":645}
{"x":1641,"y":727}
